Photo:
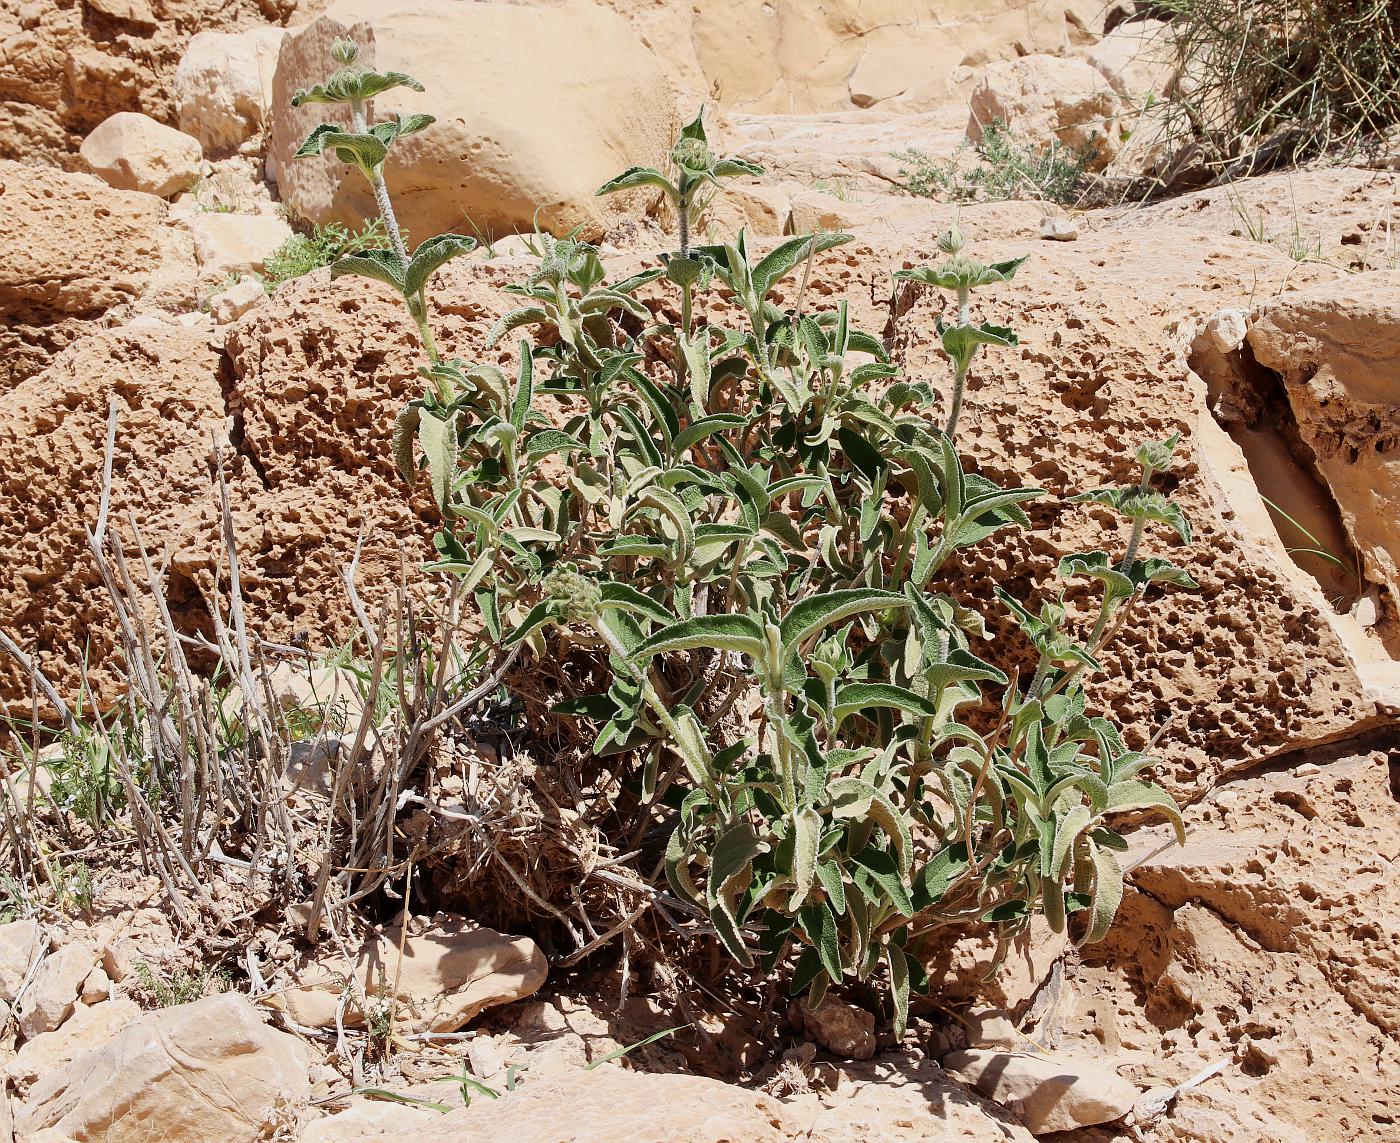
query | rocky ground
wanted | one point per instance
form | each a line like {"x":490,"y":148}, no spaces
{"x":1246,"y":993}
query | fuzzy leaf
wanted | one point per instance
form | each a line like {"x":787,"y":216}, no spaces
{"x":736,"y":633}
{"x":431,"y":256}
{"x":810,"y":615}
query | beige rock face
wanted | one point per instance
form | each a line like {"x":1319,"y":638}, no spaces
{"x":1045,"y":97}
{"x":89,"y":1027}
{"x":1047,"y":1093}
{"x":74,"y":250}
{"x":1336,"y":348}
{"x":53,"y":992}
{"x":21,"y":944}
{"x":791,"y":56}
{"x":52,"y":427}
{"x":223,"y":86}
{"x":1136,"y":59}
{"x":235,"y":243}
{"x":207,"y":1072}
{"x":610,"y":1104}
{"x":899,"y":1098}
{"x":131,"y":151}
{"x":557,"y":100}
{"x":448,"y":974}
{"x":65,"y":67}
{"x":1270,"y":941}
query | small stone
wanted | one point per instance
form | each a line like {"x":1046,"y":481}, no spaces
{"x":228,"y":244}
{"x":97,"y":987}
{"x":485,"y":1057}
{"x":992,"y":1028}
{"x":1226,"y":330}
{"x":1307,"y":770}
{"x":131,"y":151}
{"x":53,"y":993}
{"x":1058,"y":228}
{"x":128,"y":11}
{"x":840,"y":1028}
{"x":231,"y":304}
{"x":1047,"y":1093}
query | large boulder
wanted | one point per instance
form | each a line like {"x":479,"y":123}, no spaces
{"x":206,"y":1072}
{"x":75,"y":249}
{"x":223,"y":86}
{"x":131,"y":151}
{"x":556,"y":101}
{"x":1046,"y":99}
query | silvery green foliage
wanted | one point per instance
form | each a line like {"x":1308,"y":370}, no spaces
{"x":761,"y":513}
{"x":366,"y":148}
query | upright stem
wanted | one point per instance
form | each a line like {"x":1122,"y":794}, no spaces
{"x":683,"y":214}
{"x":960,"y":372}
{"x":959,"y":377}
{"x":381,"y":191}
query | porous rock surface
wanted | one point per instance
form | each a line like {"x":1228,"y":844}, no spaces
{"x":75,"y":250}
{"x":66,"y":65}
{"x":1336,"y":349}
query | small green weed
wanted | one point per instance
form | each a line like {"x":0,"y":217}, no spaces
{"x":180,"y":986}
{"x":323,"y":246}
{"x":1000,"y":167}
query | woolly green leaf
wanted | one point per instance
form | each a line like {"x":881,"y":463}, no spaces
{"x":899,"y":987}
{"x":810,"y":615}
{"x":854,"y":698}
{"x":627,"y":598}
{"x":1131,"y":795}
{"x":431,"y":256}
{"x":731,"y":874}
{"x":381,"y":265}
{"x":786,"y":256}
{"x":857,"y":800}
{"x":807,"y":831}
{"x":546,"y":442}
{"x":437,"y":437}
{"x":736,"y":633}
{"x":1107,"y":894}
{"x":730,"y":168}
{"x":640,"y":177}
{"x":405,"y":431}
{"x":707,"y":426}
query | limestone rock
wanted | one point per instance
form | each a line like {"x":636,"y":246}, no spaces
{"x":1046,"y":97}
{"x":235,"y":243}
{"x":88,"y":1028}
{"x":611,"y":1104}
{"x":74,"y":249}
{"x":223,"y":86}
{"x":1336,"y":348}
{"x":22,"y":942}
{"x":901,"y":1098}
{"x":53,"y":992}
{"x":52,"y":430}
{"x":1046,"y":1093}
{"x":130,"y":151}
{"x":207,"y":1072}
{"x":1058,"y":228}
{"x":1136,"y":59}
{"x":231,"y":304}
{"x":840,"y":1028}
{"x":512,"y":143}
{"x":370,"y":1119}
{"x":449,"y":973}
